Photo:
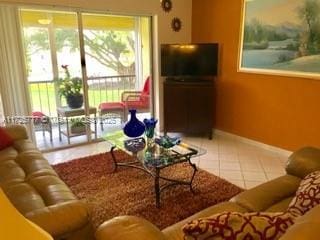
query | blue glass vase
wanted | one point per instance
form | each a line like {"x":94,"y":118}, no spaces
{"x":150,"y":126}
{"x":134,"y":127}
{"x":149,"y":132}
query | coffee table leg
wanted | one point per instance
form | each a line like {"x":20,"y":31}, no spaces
{"x":157,"y":188}
{"x":194,"y":173}
{"x":114,"y":158}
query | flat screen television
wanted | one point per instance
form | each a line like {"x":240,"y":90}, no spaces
{"x":189,"y":60}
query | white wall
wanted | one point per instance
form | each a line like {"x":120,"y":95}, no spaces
{"x":162,"y":24}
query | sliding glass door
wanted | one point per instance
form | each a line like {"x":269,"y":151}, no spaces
{"x":100,"y":56}
{"x":52,"y":53}
{"x":113,"y":52}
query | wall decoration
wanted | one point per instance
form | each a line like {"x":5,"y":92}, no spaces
{"x":281,"y":37}
{"x":176,"y":24}
{"x":166,"y":5}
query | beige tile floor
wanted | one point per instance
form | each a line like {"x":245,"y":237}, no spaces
{"x":241,"y":163}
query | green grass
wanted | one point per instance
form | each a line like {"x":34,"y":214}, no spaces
{"x":43,"y":97}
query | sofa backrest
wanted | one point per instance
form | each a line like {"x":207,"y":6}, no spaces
{"x":304,"y":161}
{"x":17,"y":132}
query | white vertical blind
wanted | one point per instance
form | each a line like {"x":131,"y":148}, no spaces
{"x":13,"y":86}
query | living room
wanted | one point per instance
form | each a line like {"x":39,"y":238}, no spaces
{"x":263,"y":121}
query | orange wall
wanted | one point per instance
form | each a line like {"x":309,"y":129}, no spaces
{"x":276,"y":110}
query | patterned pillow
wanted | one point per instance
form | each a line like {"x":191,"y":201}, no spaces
{"x":307,"y":195}
{"x":232,"y":226}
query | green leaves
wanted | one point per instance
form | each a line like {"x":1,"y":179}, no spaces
{"x":69,"y":86}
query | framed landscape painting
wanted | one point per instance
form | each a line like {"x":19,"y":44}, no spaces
{"x":281,"y":37}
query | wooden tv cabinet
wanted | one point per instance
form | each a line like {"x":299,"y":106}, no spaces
{"x":188,"y":107}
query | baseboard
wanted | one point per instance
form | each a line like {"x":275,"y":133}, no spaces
{"x":278,"y":150}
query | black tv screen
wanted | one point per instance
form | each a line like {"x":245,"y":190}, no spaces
{"x":189,"y":60}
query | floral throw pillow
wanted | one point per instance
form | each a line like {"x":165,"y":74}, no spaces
{"x":233,"y":225}
{"x":307,"y":195}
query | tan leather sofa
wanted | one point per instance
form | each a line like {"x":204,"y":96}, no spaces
{"x":36,"y":191}
{"x":272,"y":196}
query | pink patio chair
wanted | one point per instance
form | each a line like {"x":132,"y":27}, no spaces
{"x":42,"y":122}
{"x":139,"y":100}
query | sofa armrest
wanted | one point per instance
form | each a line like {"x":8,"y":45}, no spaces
{"x":128,"y":228}
{"x":267,"y":194}
{"x":62,"y":218}
{"x":17,"y":132}
{"x":304,"y":161}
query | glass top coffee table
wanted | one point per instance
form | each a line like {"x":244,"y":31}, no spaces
{"x":152,"y":159}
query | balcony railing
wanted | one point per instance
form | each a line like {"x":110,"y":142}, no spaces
{"x":109,"y":89}
{"x":44,"y":96}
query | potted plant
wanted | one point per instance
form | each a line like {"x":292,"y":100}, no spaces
{"x":78,"y":126}
{"x":70,"y":88}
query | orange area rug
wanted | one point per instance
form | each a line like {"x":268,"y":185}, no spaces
{"x":130,"y":191}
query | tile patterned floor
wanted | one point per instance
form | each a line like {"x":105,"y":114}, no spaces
{"x":243,"y":164}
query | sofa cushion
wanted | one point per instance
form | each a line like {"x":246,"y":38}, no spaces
{"x":281,"y":206}
{"x":52,"y":189}
{"x":23,"y":145}
{"x":24,"y":197}
{"x":61,"y":218}
{"x":10,"y":171}
{"x":235,"y":225}
{"x":307,"y":195}
{"x":5,"y":139}
{"x":9,"y":153}
{"x":34,"y":164}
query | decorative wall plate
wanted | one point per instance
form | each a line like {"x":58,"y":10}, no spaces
{"x":166,"y":5}
{"x":176,"y":24}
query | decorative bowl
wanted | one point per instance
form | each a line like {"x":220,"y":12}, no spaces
{"x":135,"y":145}
{"x":167,"y":142}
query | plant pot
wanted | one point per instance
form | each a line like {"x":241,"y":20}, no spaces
{"x":75,"y":101}
{"x":77,"y":129}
